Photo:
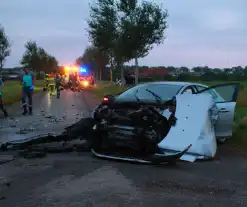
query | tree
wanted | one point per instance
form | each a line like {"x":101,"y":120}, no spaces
{"x":103,"y":27}
{"x":31,"y":55}
{"x":96,"y":59}
{"x":142,"y":25}
{"x":38,"y":59}
{"x":126,"y":29}
{"x":4,"y":47}
{"x":216,"y":70}
{"x":51,"y":65}
{"x":183,"y":70}
{"x":197,"y":69}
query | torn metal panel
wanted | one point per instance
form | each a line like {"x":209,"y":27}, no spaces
{"x":195,"y":119}
{"x":150,"y":159}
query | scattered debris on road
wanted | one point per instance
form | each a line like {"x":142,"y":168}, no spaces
{"x":6,"y":158}
{"x":74,"y":138}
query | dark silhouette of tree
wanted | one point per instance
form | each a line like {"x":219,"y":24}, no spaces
{"x":4,"y":47}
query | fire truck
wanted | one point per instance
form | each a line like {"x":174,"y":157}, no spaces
{"x":78,"y":77}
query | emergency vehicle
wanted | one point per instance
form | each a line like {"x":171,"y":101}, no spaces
{"x":79,"y":74}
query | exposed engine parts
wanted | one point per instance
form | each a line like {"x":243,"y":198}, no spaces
{"x":138,"y":127}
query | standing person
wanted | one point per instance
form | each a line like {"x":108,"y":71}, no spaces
{"x":28,"y":81}
{"x":57,"y":85}
{"x":46,"y":81}
{"x":73,"y":81}
{"x":51,"y":84}
{"x":1,"y":99}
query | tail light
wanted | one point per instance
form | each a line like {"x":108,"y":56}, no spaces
{"x":108,"y":99}
{"x":105,"y":99}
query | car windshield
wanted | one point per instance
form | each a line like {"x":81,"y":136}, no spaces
{"x":164,"y":91}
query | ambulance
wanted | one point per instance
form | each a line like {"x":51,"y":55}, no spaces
{"x":78,"y":76}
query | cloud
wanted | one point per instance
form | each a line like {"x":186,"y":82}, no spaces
{"x":223,"y":20}
{"x":185,"y":55}
{"x":202,"y":33}
{"x":199,"y":33}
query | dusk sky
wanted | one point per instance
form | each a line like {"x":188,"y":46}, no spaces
{"x":212,"y":33}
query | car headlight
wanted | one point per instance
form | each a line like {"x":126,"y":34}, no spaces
{"x":85,"y":83}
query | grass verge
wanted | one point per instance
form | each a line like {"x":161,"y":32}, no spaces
{"x":239,"y":138}
{"x":100,"y":90}
{"x":12,"y":91}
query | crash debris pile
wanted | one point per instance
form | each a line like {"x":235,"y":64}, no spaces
{"x":41,"y":120}
{"x":70,"y":140}
{"x":134,"y":130}
{"x":137,"y":127}
{"x":43,"y":143}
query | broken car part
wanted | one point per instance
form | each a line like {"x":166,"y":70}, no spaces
{"x":132,"y":131}
{"x":134,"y":127}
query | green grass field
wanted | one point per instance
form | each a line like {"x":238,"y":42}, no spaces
{"x":240,"y":122}
{"x":12,"y":91}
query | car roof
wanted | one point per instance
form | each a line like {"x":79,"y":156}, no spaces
{"x":178,"y":83}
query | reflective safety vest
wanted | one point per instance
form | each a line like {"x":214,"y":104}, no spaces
{"x":50,"y":81}
{"x":27,"y":80}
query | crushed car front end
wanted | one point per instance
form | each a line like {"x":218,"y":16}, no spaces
{"x":131,"y":131}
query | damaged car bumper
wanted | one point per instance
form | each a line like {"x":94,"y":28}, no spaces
{"x":142,"y":133}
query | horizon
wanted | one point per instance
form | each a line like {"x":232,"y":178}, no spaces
{"x":150,"y":67}
{"x":199,"y":33}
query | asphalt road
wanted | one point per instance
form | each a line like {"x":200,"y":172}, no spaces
{"x":78,"y":179}
{"x":50,"y":115}
{"x":81,"y":180}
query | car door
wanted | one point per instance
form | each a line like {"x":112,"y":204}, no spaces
{"x":225,"y":97}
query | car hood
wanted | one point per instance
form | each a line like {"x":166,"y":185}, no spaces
{"x":195,"y":119}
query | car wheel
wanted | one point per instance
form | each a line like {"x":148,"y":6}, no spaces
{"x":221,"y":140}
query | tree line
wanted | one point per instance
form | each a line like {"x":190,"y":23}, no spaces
{"x":34,"y":57}
{"x":121,"y":31}
{"x":182,"y":73}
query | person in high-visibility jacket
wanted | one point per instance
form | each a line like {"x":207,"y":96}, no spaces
{"x":58,"y":84}
{"x":28,"y":82}
{"x":51,"y":83}
{"x":46,"y":80}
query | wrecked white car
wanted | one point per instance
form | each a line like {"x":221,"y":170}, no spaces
{"x":161,"y":122}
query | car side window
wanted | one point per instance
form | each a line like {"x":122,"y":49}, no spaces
{"x":188,"y":90}
{"x":212,"y":92}
{"x":199,"y":88}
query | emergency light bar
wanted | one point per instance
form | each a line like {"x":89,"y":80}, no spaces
{"x":67,"y":68}
{"x":71,"y":69}
{"x":76,"y":69}
{"x":83,"y":70}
